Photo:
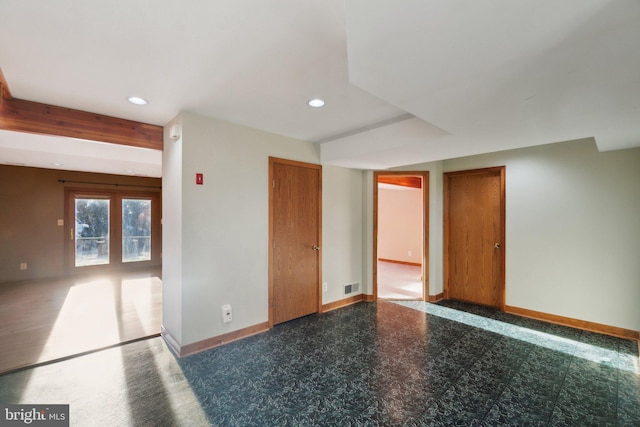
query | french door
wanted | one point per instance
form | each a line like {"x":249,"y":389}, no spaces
{"x":109,"y":229}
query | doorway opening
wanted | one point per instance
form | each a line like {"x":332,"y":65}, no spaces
{"x":401,"y":212}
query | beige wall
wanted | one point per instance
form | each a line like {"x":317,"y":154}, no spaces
{"x":217,"y":233}
{"x":572,"y":230}
{"x":341,"y":230}
{"x":31,"y":203}
{"x":400,"y":217}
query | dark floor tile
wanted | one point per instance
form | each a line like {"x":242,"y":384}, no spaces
{"x":544,"y":366}
{"x":586,"y":402}
{"x":383,"y":364}
{"x":567,"y":416}
{"x":524,"y":322}
{"x":602,"y":341}
{"x":628,"y":417}
{"x":593,"y":375}
{"x":628,"y":347}
{"x":513,"y":414}
{"x":564,"y":331}
{"x":628,"y":399}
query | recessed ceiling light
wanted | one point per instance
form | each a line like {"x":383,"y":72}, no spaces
{"x":316,"y":103}
{"x":137,"y":100}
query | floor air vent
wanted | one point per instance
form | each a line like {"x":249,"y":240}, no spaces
{"x":351,"y":288}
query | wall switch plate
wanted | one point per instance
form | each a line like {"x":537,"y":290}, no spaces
{"x":23,"y":266}
{"x":60,"y":222}
{"x":226,"y":313}
{"x":324,"y":287}
{"x":199,"y":179}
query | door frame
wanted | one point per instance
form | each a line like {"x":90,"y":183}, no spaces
{"x":447,"y":223}
{"x":272,"y":162}
{"x":425,"y":227}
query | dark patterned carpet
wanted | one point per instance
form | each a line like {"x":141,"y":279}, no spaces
{"x":386,"y":364}
{"x":371,"y":364}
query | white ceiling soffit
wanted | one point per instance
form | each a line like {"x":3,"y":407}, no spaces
{"x":484,"y":76}
{"x":54,"y":152}
{"x":251,"y":62}
{"x":404,"y":82}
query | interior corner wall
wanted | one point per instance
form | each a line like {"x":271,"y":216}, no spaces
{"x":341,"y":230}
{"x":221,"y":228}
{"x":572,"y":230}
{"x":367,"y":232}
{"x":172,"y":233}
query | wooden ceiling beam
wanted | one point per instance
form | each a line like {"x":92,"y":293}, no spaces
{"x":33,"y":117}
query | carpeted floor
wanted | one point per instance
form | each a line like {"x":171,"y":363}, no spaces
{"x":45,"y":320}
{"x":387,"y":364}
{"x":399,"y":281}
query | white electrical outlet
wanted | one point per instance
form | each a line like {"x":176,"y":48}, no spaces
{"x":60,"y":222}
{"x":324,"y":286}
{"x":410,"y":253}
{"x":23,"y":266}
{"x":226,"y":313}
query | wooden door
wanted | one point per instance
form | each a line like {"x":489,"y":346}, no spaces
{"x":474,"y":228}
{"x":295,"y":214}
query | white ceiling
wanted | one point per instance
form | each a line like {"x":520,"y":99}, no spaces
{"x":404,"y":82}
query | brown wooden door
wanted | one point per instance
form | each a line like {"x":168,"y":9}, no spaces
{"x":474,"y":236}
{"x":295,"y":212}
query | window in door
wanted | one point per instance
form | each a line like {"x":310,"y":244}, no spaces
{"x":136,"y":230}
{"x":92,"y":225}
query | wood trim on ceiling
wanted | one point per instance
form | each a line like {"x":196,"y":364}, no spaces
{"x":394,"y":261}
{"x":401,"y":180}
{"x":33,"y":117}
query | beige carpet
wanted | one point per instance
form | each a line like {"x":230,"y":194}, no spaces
{"x":42,"y":321}
{"x":399,"y":281}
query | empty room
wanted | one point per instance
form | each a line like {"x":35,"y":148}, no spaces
{"x":202,"y":205}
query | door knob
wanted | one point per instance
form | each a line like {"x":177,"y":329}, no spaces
{"x":497,"y":246}
{"x":315,"y":247}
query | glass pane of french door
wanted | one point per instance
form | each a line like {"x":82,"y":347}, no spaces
{"x":136,"y":230}
{"x":92,"y":222}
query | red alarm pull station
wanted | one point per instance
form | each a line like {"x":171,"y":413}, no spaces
{"x":199,"y":179}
